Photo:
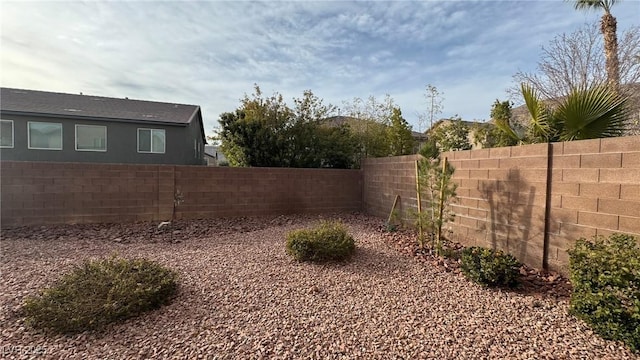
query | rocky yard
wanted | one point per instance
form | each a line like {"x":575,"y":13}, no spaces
{"x":242,"y":297}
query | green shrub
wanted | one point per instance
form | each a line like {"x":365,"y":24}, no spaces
{"x":327,"y":241}
{"x":489,"y":267}
{"x":450,"y":253}
{"x":391,"y":227}
{"x":99,"y":292}
{"x":605,"y":274}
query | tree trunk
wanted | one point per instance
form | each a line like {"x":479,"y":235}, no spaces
{"x":608,"y":27}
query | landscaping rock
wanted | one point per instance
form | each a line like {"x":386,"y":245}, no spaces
{"x":242,"y":297}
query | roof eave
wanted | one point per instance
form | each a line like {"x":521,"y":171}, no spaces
{"x":93,"y":118}
{"x":198,"y":113}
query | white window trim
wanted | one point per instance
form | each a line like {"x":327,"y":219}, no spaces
{"x":151,"y":141}
{"x":44,"y":122}
{"x":98,"y":126}
{"x":13,"y":138}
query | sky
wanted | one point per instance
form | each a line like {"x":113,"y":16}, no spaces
{"x":211,"y":53}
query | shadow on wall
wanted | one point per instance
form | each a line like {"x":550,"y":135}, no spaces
{"x":406,"y":212}
{"x":510,"y":221}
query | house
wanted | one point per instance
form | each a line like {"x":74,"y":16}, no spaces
{"x":214,"y":156}
{"x":420,"y":139}
{"x":48,"y":126}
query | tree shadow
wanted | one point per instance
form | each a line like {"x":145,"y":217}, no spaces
{"x":510,"y":224}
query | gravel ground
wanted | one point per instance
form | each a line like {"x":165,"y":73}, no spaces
{"x":242,"y":297}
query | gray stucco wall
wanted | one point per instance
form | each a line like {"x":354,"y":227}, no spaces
{"x":122,"y":143}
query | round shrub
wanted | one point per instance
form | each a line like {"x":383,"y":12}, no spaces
{"x":489,"y":267}
{"x":605,"y":274}
{"x":99,"y":292}
{"x":327,"y":241}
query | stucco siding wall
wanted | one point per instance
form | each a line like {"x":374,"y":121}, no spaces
{"x":122,"y":140}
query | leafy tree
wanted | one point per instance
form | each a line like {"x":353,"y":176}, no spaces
{"x":451,"y":134}
{"x":608,"y":27}
{"x":254,"y":135}
{"x":586,"y":113}
{"x":401,"y":140}
{"x":303,"y":133}
{"x":371,"y":120}
{"x":338,"y":147}
{"x":490,"y":135}
{"x":264,"y":131}
{"x":370,"y":109}
{"x":577,"y":60}
{"x":373,"y":140}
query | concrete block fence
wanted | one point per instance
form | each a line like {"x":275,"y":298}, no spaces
{"x":34,"y":193}
{"x":533,"y":201}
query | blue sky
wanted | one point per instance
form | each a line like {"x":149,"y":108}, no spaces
{"x":210,"y":53}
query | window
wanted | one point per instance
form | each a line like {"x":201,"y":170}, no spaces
{"x":151,"y":141}
{"x":196,"y":148}
{"x":91,"y":138}
{"x":6,"y":133}
{"x":44,"y":136}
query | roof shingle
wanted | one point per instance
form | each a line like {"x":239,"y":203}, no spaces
{"x":98,"y":107}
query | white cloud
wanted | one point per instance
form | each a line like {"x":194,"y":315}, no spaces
{"x":211,"y":53}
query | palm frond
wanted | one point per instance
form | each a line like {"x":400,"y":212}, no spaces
{"x":504,"y":127}
{"x":540,"y":122}
{"x":593,"y":113}
{"x":594,"y":4}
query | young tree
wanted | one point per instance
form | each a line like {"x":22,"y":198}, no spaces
{"x":401,"y":140}
{"x":438,"y":191}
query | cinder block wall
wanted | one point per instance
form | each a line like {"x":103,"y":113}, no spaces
{"x":35,"y":193}
{"x":49,"y":193}
{"x":502,"y":195}
{"x":384,"y":178}
{"x":595,"y":191}
{"x":226,"y":191}
{"x":501,"y":199}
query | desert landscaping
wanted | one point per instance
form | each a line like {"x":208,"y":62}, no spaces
{"x":241,"y":296}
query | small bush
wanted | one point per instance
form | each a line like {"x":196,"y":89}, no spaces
{"x":99,"y":292}
{"x":450,"y":253}
{"x":391,"y":227}
{"x":605,"y":274}
{"x":328,"y":241}
{"x":489,"y":267}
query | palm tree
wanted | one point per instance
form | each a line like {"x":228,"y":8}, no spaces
{"x":608,"y":27}
{"x":592,"y":113}
{"x":586,"y":113}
